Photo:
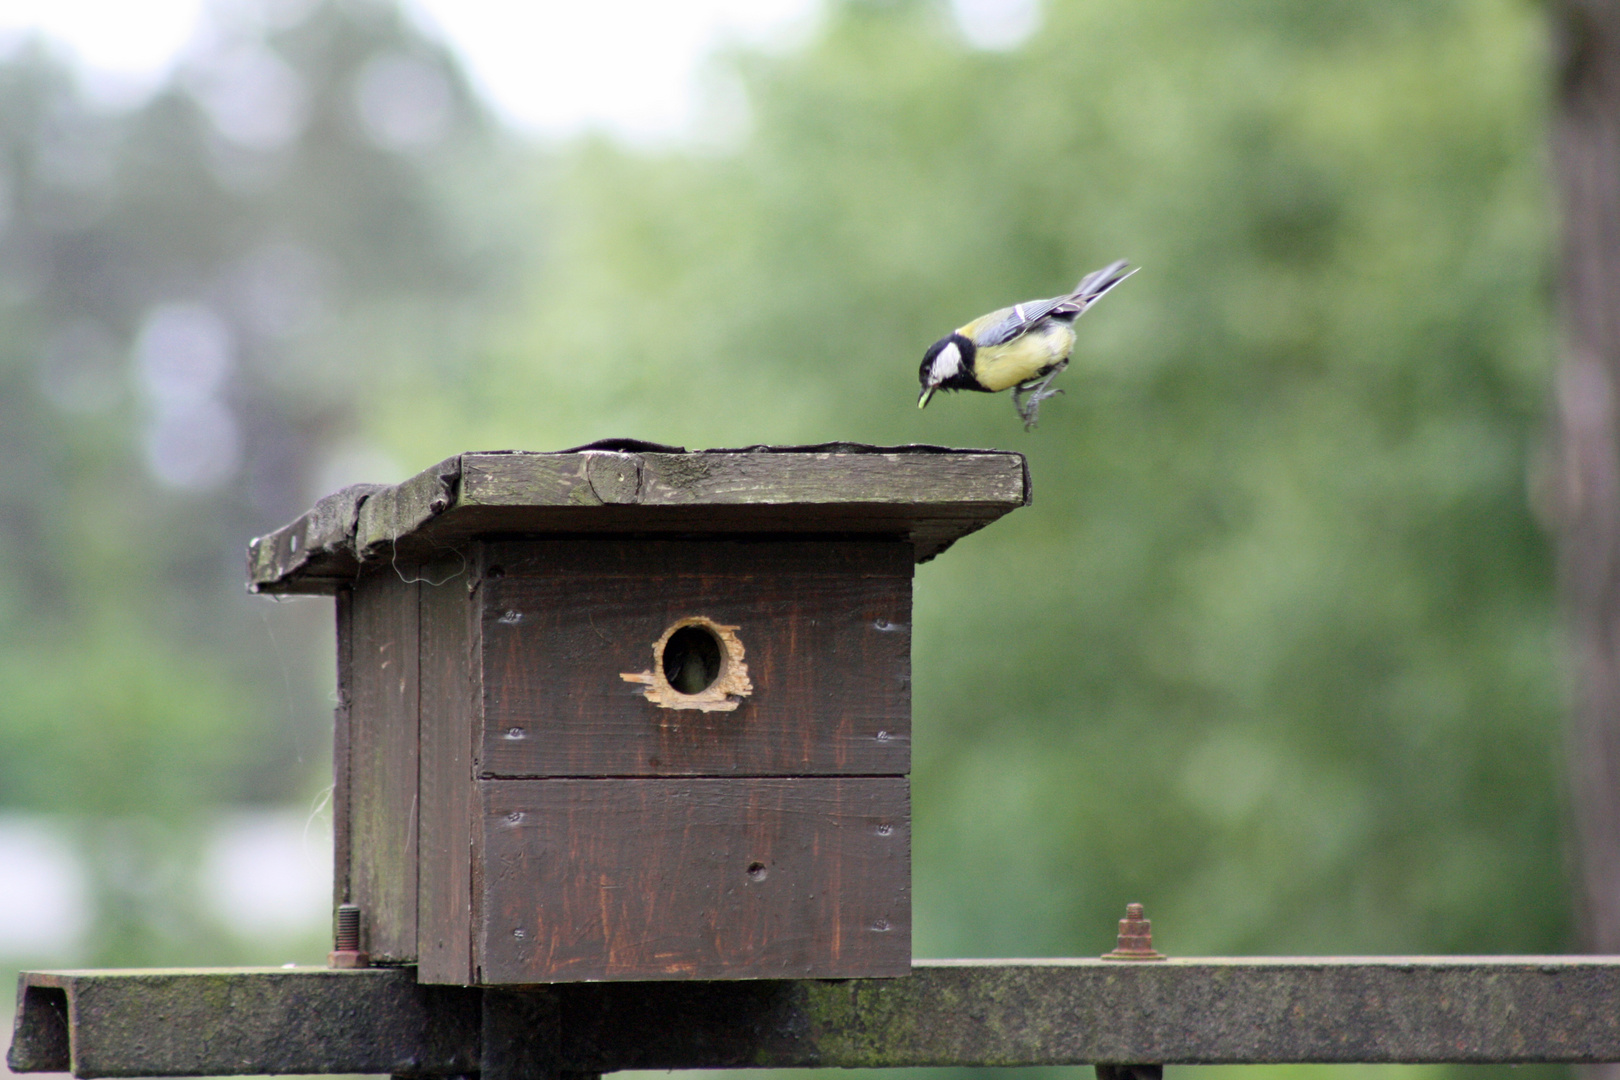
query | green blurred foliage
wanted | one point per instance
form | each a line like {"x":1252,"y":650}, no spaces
{"x":143,"y":690}
{"x":1274,"y":651}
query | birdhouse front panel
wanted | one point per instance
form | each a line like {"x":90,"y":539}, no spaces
{"x":631,"y":713}
{"x":765,"y":684}
{"x":697,"y":877}
{"x":695,"y":658}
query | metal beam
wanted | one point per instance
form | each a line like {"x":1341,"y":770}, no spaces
{"x":239,"y":1021}
{"x":1058,"y":1012}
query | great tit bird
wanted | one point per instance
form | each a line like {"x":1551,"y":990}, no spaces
{"x":1023,"y":346}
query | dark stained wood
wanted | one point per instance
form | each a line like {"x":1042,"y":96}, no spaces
{"x":388,"y":517}
{"x":317,"y":544}
{"x":695,"y":879}
{"x":383,"y":764}
{"x":825,"y":628}
{"x":926,"y":496}
{"x":341,"y":802}
{"x":449,"y":703}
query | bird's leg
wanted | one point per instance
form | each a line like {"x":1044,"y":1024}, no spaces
{"x":1038,"y":392}
{"x":1018,"y":399}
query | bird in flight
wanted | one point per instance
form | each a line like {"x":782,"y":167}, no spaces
{"x":1022,"y":347}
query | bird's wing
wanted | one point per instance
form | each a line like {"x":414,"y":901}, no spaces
{"x":1000,"y":327}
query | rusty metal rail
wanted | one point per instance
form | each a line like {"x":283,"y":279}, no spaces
{"x":212,"y":1022}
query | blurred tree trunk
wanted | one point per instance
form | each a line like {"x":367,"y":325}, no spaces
{"x":1586,"y":145}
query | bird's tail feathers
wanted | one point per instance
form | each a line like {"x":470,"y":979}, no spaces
{"x":1094,"y":285}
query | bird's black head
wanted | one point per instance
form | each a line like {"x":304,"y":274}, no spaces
{"x":947,"y":365}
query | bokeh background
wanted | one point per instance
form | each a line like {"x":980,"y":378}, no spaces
{"x":1275,"y":650}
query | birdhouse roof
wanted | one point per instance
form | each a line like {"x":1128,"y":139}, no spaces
{"x":929,"y":495}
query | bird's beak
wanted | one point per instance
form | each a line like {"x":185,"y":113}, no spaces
{"x":922,"y":398}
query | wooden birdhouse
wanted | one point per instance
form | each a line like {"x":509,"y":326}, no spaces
{"x":628,"y":712}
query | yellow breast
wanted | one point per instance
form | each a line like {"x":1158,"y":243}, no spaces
{"x":998,"y":367}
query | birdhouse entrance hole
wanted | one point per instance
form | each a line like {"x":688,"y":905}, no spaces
{"x":697,"y":664}
{"x":691,"y":659}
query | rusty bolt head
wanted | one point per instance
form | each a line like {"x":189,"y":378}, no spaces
{"x":1135,"y":937}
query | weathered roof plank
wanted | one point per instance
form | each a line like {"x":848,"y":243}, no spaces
{"x":932,"y":496}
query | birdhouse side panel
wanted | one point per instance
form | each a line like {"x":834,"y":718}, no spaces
{"x":807,"y":670}
{"x":696,"y":878}
{"x":449,"y":843}
{"x":342,"y":844}
{"x":382,"y":746}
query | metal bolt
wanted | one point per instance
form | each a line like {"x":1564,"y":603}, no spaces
{"x":346,"y":944}
{"x":1135,"y":937}
{"x":348,"y":928}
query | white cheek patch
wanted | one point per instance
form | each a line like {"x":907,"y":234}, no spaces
{"x":946,"y":364}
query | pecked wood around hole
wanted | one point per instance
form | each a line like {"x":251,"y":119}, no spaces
{"x":722,"y":695}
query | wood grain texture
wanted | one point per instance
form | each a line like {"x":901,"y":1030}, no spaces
{"x":383,"y":752}
{"x":695,"y":879}
{"x":748,"y":479}
{"x":342,"y":804}
{"x":927,"y":496}
{"x":449,"y":703}
{"x":317,"y":545}
{"x":395,"y":513}
{"x":825,"y":626}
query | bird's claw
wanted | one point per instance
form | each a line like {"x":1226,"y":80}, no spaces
{"x":1028,"y":411}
